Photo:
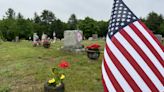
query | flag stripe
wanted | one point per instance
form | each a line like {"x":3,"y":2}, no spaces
{"x":152,"y":35}
{"x":139,"y":65}
{"x":108,"y":83}
{"x":120,"y":57}
{"x":157,"y":64}
{"x":122,"y":70}
{"x":137,"y":56}
{"x":122,"y":82}
{"x":104,"y":85}
{"x":144,"y":57}
{"x":131,"y":60}
{"x":153,"y":50}
{"x":149,"y":54}
{"x":151,"y":38}
{"x":112,"y":78}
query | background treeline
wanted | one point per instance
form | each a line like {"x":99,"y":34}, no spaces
{"x":13,"y":25}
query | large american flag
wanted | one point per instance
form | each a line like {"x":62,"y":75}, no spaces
{"x":133,"y":56}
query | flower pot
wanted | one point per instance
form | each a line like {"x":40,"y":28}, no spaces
{"x":50,"y":88}
{"x":93,"y":53}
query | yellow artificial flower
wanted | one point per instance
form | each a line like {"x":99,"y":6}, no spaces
{"x":62,"y":76}
{"x":51,"y":81}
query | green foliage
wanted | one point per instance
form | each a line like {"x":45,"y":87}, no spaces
{"x":88,"y":26}
{"x":24,"y":68}
{"x":72,"y":22}
{"x":161,"y":29}
{"x":12,"y":25}
{"x":154,"y":21}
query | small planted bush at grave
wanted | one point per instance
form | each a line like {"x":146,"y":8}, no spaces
{"x":46,"y":44}
{"x":93,"y":51}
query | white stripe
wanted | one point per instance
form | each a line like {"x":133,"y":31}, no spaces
{"x":149,"y":38}
{"x":145,"y":49}
{"x":108,"y":83}
{"x":138,"y":58}
{"x":125,"y":86}
{"x":138,"y":80}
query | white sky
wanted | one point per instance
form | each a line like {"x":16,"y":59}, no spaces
{"x":97,"y":9}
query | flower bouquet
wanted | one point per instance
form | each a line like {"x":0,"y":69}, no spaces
{"x":46,"y":44}
{"x":93,"y":51}
{"x":56,"y":83}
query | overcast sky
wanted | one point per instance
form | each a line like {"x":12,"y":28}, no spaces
{"x":97,"y":9}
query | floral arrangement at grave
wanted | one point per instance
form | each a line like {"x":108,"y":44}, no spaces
{"x":46,"y":43}
{"x":93,"y":51}
{"x":56,"y":84}
{"x":93,"y":47}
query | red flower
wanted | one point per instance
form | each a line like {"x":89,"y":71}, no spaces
{"x":93,"y":46}
{"x":63,"y":64}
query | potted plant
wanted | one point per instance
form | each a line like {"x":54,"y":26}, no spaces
{"x":46,"y":44}
{"x":93,"y":51}
{"x":56,"y":83}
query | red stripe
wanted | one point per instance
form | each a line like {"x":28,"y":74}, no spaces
{"x":131,"y":82}
{"x":135,"y":64}
{"x":112,"y":78}
{"x":152,"y":35}
{"x":149,"y":45}
{"x":104,"y":85}
{"x":146,"y":59}
{"x":122,"y":70}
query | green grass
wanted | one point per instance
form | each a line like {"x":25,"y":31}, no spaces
{"x":24,"y":68}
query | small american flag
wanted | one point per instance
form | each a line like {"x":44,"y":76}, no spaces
{"x":133,"y":57}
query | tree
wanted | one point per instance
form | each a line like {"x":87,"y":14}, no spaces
{"x":59,"y":27}
{"x":37,"y":18}
{"x":89,"y":26}
{"x":154,"y":21}
{"x":162,"y":29}
{"x":103,"y":27}
{"x":20,"y":16}
{"x":47,"y":17}
{"x":10,"y":14}
{"x":72,"y":22}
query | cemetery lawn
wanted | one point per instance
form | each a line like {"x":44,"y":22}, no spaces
{"x":24,"y":68}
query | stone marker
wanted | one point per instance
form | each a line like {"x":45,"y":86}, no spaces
{"x":54,"y":37}
{"x":44,"y":37}
{"x":17,"y":39}
{"x":159,"y":37}
{"x":95,"y":36}
{"x":72,"y":40}
{"x":90,"y":38}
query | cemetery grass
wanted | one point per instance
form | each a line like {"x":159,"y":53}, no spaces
{"x":24,"y":68}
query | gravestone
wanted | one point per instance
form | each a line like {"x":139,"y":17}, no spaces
{"x":95,"y":36}
{"x":72,"y":40}
{"x":159,"y":37}
{"x":44,"y":37}
{"x":54,"y":37}
{"x":17,"y":39}
{"x":90,"y":38}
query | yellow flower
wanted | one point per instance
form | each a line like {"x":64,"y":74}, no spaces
{"x":62,"y":76}
{"x":51,"y":81}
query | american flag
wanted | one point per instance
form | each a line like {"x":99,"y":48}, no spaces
{"x":133,"y":56}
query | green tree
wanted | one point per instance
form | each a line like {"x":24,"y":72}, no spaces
{"x":154,"y":21}
{"x":72,"y":22}
{"x":89,"y":26}
{"x":10,"y":14}
{"x":162,"y":28}
{"x":103,"y":27}
{"x":37,"y":18}
{"x":59,"y":27}
{"x":47,"y":18}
